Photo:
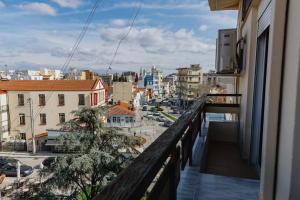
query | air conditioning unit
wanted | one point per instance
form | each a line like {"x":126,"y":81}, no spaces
{"x":226,"y":51}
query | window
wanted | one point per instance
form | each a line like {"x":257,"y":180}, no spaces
{"x":21,"y":99}
{"x":114,"y":119}
{"x":95,"y":98}
{"x":22,"y":118}
{"x":42,"y":100}
{"x":43,"y":120}
{"x":62,"y":118}
{"x":131,"y":119}
{"x":23,"y":136}
{"x":81,"y":99}
{"x":108,"y":120}
{"x":61,"y":99}
{"x":126,"y":119}
{"x":118,"y":119}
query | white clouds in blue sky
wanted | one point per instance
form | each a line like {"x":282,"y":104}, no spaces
{"x":167,"y":33}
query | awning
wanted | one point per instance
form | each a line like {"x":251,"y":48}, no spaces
{"x":53,"y":143}
{"x":223,"y":4}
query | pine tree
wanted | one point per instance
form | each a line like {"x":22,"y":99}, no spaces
{"x":100,"y":154}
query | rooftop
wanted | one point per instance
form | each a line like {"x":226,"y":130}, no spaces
{"x":48,"y":85}
{"x":121,"y":109}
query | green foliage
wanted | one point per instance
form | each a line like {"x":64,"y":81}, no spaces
{"x":101,"y":153}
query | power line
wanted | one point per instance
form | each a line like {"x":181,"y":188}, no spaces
{"x":132,"y":18}
{"x":75,"y":46}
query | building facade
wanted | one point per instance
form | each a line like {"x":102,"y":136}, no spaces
{"x":121,"y":115}
{"x":35,"y":106}
{"x":188,"y":83}
{"x":122,"y":91}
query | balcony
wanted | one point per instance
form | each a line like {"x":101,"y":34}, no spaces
{"x":198,"y":157}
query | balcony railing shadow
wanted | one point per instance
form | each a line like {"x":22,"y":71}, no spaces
{"x":156,"y":172}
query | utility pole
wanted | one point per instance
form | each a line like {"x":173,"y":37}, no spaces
{"x":32,"y":125}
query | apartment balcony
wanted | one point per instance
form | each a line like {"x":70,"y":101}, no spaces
{"x":198,"y":157}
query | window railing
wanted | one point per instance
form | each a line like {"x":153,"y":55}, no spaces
{"x":156,"y":172}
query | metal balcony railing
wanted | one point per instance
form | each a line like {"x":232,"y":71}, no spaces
{"x":155,"y":173}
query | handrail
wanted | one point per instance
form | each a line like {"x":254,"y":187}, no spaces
{"x":133,"y":182}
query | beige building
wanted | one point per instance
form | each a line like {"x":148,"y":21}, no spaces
{"x":189,"y":80}
{"x":88,"y":75}
{"x":122,"y":91}
{"x":35,"y":106}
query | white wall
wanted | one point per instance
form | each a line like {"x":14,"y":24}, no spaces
{"x":288,"y":173}
{"x":246,"y":84}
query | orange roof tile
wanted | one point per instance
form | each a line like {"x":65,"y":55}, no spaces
{"x":48,"y":85}
{"x":120,"y":110}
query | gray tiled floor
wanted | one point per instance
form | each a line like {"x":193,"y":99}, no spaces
{"x":198,"y":186}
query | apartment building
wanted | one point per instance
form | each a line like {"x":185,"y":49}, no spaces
{"x":189,"y":80}
{"x":157,"y":81}
{"x":255,"y":156}
{"x":35,"y":106}
{"x":172,"y":79}
{"x":122,"y":91}
{"x":88,"y":75}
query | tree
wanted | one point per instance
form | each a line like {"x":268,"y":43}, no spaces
{"x":100,"y":154}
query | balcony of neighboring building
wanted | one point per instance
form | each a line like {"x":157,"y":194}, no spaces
{"x":198,"y":157}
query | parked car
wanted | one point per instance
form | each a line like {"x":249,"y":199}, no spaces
{"x":8,"y":166}
{"x":144,"y":108}
{"x":156,"y":114}
{"x":167,"y":124}
{"x":159,"y":109}
{"x":153,"y":109}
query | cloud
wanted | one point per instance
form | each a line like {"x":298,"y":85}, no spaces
{"x":166,"y":6}
{"x":119,"y":22}
{"x":41,"y":8}
{"x":2,"y":4}
{"x":203,"y":28}
{"x":222,"y":19}
{"x":69,"y":3}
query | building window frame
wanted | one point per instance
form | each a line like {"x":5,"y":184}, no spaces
{"x":62,"y":118}
{"x":21,"y":101}
{"x":22,"y":119}
{"x":42,"y":99}
{"x":81,"y":99}
{"x":61,"y":99}
{"x":43,"y":119}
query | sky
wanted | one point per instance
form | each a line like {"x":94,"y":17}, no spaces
{"x":167,"y":34}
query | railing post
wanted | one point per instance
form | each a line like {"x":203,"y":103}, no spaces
{"x":175,"y":172}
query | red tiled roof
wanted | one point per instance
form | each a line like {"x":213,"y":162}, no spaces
{"x":120,"y":110}
{"x":48,"y":85}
